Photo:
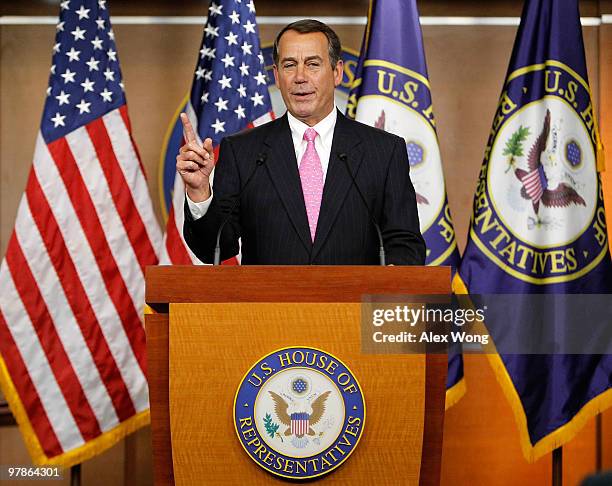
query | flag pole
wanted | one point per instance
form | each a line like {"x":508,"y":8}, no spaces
{"x":557,"y":466}
{"x":75,"y":475}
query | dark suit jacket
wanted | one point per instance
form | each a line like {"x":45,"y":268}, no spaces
{"x":271,"y":215}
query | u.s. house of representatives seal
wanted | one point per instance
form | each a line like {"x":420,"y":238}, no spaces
{"x":538,"y":212}
{"x":299,"y":412}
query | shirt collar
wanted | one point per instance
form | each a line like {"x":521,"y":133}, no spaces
{"x":324,"y":128}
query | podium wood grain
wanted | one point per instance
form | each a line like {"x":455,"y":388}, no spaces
{"x":208,"y":341}
{"x":157,"y":330}
{"x":307,"y":283}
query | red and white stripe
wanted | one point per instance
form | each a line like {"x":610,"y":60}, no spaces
{"x":299,"y":427}
{"x":71,"y":306}
{"x":175,"y":250}
{"x":533,"y":185}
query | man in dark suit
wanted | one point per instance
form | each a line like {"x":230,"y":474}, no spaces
{"x":309,"y":212}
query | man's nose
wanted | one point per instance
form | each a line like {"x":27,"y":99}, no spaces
{"x":300,"y":73}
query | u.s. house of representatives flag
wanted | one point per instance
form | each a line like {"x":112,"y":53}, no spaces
{"x":72,"y":343}
{"x":391,"y":92}
{"x":229,"y":93}
{"x":538,"y":223}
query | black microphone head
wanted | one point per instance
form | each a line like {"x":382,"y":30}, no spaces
{"x":342,"y":156}
{"x":261,"y":158}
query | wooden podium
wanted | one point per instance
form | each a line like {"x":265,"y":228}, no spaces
{"x":207,"y":326}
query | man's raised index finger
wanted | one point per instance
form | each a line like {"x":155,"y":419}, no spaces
{"x":190,"y":135}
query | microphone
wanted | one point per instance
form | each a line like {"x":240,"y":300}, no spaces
{"x":381,"y":250}
{"x":261,"y":160}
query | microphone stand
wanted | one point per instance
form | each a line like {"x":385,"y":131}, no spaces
{"x":381,"y":250}
{"x":261,"y":159}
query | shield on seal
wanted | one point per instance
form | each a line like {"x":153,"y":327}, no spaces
{"x":300,"y":423}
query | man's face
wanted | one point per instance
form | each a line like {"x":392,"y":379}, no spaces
{"x":304,"y":76}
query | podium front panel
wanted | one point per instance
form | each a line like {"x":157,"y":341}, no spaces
{"x":212,"y":346}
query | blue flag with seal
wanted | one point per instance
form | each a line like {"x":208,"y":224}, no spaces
{"x":391,"y":91}
{"x":538,"y":223}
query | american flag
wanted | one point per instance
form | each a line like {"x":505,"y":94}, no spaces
{"x":72,"y":342}
{"x":229,"y":93}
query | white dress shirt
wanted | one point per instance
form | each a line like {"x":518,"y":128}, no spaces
{"x":323,"y":143}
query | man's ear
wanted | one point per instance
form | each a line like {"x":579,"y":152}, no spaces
{"x":338,"y":72}
{"x":275,"y":69}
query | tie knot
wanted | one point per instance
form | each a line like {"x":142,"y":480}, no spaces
{"x":310,"y":134}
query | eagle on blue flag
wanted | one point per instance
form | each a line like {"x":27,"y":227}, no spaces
{"x":538,"y":223}
{"x":535,"y":183}
{"x":391,"y":91}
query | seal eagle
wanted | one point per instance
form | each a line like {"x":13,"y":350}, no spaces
{"x":535,"y":183}
{"x":281,"y":409}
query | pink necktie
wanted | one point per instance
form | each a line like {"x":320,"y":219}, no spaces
{"x":311,"y":175}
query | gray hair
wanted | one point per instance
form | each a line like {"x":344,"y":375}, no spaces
{"x":308,"y":26}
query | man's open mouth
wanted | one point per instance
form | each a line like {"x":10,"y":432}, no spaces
{"x":303,"y":95}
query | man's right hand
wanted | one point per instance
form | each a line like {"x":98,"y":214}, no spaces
{"x":195,"y":163}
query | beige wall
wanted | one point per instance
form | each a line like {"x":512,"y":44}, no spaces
{"x":466,"y":66}
{"x":129,"y":462}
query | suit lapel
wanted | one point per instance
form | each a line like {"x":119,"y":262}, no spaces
{"x":283,"y":169}
{"x":337,"y":181}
